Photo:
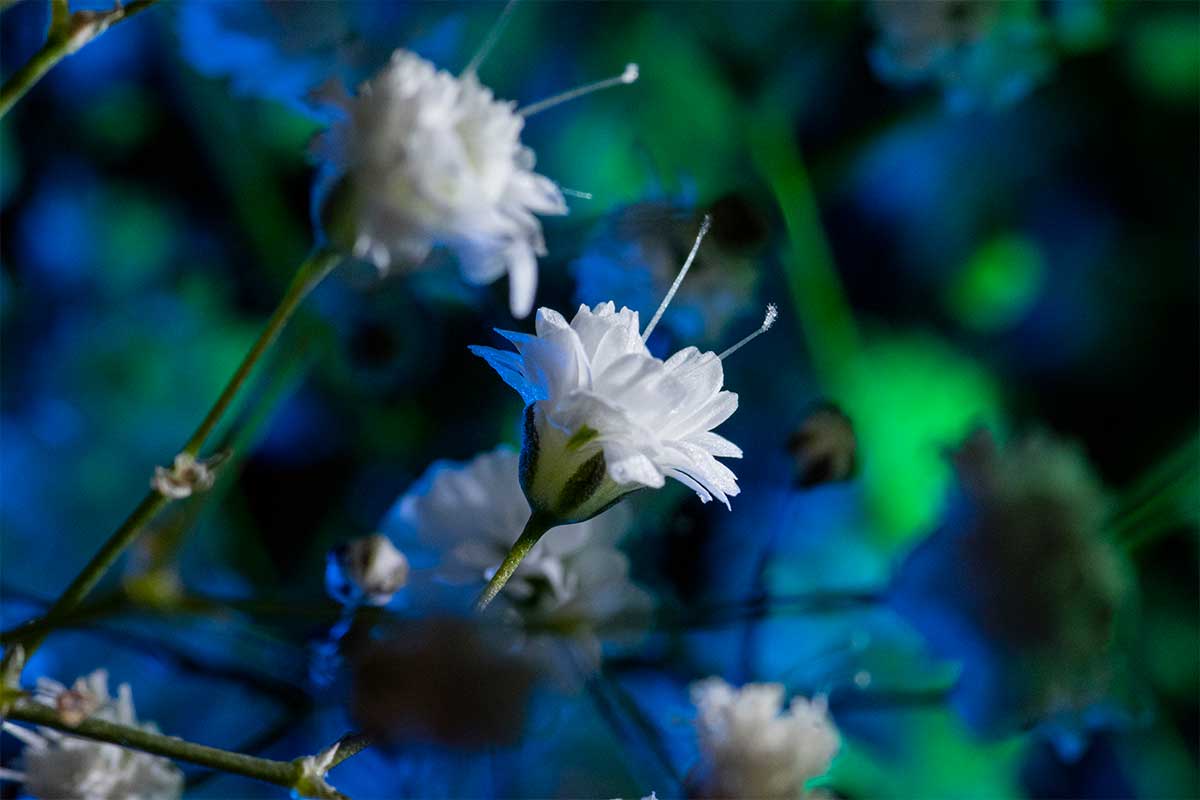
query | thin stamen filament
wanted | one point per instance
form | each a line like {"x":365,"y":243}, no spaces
{"x":628,"y":76}
{"x":490,"y":40}
{"x":704,"y":226}
{"x":768,"y":320}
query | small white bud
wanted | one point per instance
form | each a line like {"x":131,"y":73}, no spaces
{"x":367,"y":570}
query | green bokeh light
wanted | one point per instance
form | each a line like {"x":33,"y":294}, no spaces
{"x":997,"y":286}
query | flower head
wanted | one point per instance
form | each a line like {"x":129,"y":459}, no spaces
{"x":1021,"y":575}
{"x":59,"y":765}
{"x":422,"y":158}
{"x":752,"y":747}
{"x":365,"y":570}
{"x":574,"y":583}
{"x":604,"y":417}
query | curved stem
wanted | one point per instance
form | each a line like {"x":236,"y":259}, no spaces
{"x":535,"y":528}
{"x":66,"y":35}
{"x":281,"y":773}
{"x":310,"y":273}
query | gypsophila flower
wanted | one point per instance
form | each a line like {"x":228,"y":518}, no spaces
{"x":58,"y":765}
{"x":367,"y":570}
{"x":604,"y":417}
{"x":979,"y":52}
{"x":422,"y":158}
{"x":1022,"y":584}
{"x":573,"y":584}
{"x":751,"y":747}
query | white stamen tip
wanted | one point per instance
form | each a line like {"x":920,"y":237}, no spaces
{"x":768,"y":320}
{"x":575,"y":193}
{"x":628,"y":76}
{"x":705,"y":224}
{"x":771,"y":316}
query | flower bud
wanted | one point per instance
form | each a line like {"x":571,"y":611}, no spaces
{"x":368,"y":570}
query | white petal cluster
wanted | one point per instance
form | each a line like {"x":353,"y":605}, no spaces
{"x":423,"y":159}
{"x":752,"y":747}
{"x":592,"y":387}
{"x":57,"y":765}
{"x":575,"y":581}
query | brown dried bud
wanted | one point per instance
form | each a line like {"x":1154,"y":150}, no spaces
{"x":824,"y":447}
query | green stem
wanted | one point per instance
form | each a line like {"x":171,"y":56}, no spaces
{"x":535,"y":528}
{"x":281,"y":773}
{"x":61,"y":41}
{"x":310,"y":273}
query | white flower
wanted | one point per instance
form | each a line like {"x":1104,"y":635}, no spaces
{"x":58,"y":765}
{"x":575,"y":582}
{"x":368,"y":570}
{"x":605,"y":417}
{"x":423,"y":158}
{"x":751,"y":747}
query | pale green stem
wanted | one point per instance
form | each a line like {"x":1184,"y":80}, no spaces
{"x":280,"y":773}
{"x":535,"y":528}
{"x":311,"y":273}
{"x":61,"y":41}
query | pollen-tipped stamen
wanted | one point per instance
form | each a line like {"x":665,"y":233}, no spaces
{"x":768,"y":320}
{"x":683,"y":271}
{"x":628,"y":76}
{"x":490,"y":40}
{"x":575,"y":193}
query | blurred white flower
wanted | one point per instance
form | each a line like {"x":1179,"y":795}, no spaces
{"x":367,"y":570}
{"x":752,"y":747}
{"x":604,"y":417}
{"x":422,"y":158}
{"x":58,"y":765}
{"x":575,"y":583}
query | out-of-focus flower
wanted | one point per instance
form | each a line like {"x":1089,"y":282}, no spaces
{"x":981,"y":52}
{"x":366,"y":570}
{"x":58,"y":765}
{"x":824,"y":447}
{"x":751,"y":747}
{"x":440,"y":680}
{"x":574,"y":584}
{"x":421,"y":158}
{"x":282,"y":51}
{"x":1021,"y":585}
{"x":635,"y":252}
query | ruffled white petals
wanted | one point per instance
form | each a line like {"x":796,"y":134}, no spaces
{"x":752,"y":747}
{"x":59,"y":765}
{"x":596,"y":388}
{"x":429,"y":160}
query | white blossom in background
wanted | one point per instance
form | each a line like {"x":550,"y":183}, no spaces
{"x":575,"y":583}
{"x":57,"y":765}
{"x":752,"y":747}
{"x":422,"y":158}
{"x":367,"y":570}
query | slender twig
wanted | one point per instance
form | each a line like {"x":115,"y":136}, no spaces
{"x":289,"y":774}
{"x":311,"y":273}
{"x":281,"y":773}
{"x":67,"y":34}
{"x":535,"y":528}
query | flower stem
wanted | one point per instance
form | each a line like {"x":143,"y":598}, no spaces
{"x":63,"y":39}
{"x":310,"y":273}
{"x":535,"y":528}
{"x":281,"y":773}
